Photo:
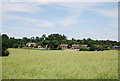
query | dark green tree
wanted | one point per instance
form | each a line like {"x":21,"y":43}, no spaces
{"x":5,"y":45}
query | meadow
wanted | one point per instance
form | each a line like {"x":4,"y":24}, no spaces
{"x":61,"y":64}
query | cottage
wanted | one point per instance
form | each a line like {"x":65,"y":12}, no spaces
{"x":98,"y":45}
{"x":40,"y":47}
{"x":64,"y":46}
{"x":116,"y":48}
{"x":84,"y":45}
{"x":29,"y":44}
{"x":75,"y":46}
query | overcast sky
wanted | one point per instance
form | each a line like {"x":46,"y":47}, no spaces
{"x":96,"y":20}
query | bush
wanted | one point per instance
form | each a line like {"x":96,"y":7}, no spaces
{"x":99,"y":48}
{"x":31,"y":45}
{"x":5,"y":53}
{"x":15,"y":46}
{"x":20,"y":46}
{"x":59,"y":48}
{"x":53,"y":48}
{"x":92,"y":48}
{"x":83,"y":49}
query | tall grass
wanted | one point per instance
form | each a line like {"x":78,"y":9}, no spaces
{"x":38,"y":64}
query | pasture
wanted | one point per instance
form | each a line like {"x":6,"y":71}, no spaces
{"x":51,"y":64}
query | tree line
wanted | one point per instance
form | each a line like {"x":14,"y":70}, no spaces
{"x":52,"y":41}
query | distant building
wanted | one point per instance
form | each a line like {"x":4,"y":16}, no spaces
{"x":29,"y":44}
{"x":84,"y":45}
{"x":75,"y":46}
{"x":98,"y":45}
{"x":116,"y":48}
{"x":40,"y":47}
{"x":64,"y":46}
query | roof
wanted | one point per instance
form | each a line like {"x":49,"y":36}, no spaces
{"x":31,"y":43}
{"x":84,"y":45}
{"x":75,"y":45}
{"x":116,"y":46}
{"x":64,"y":45}
{"x":39,"y":46}
{"x":98,"y":45}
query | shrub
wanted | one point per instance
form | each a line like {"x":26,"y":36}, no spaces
{"x":31,"y":45}
{"x":99,"y":48}
{"x":15,"y":46}
{"x":5,"y":53}
{"x":20,"y":46}
{"x":59,"y":48}
{"x":53,"y":48}
{"x":83,"y":49}
{"x":92,"y":48}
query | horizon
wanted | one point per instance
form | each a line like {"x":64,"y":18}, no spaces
{"x":95,"y":20}
{"x":59,"y":34}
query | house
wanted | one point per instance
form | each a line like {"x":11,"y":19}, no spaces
{"x":64,"y":46}
{"x":40,"y":47}
{"x":98,"y":45}
{"x":75,"y":46}
{"x":29,"y":44}
{"x":116,"y":48}
{"x":84,"y":45}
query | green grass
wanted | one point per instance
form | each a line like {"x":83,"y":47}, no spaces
{"x":47,"y":64}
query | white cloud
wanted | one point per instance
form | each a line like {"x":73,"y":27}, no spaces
{"x":112,"y":13}
{"x":46,"y":24}
{"x":75,"y":10}
{"x":70,"y":20}
{"x":21,"y":7}
{"x":36,"y":22}
{"x":7,"y":17}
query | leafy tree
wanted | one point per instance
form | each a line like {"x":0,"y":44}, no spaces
{"x":20,"y":45}
{"x":83,"y":49}
{"x":31,"y":45}
{"x":15,"y":46}
{"x":5,"y":45}
{"x":44,"y":36}
{"x":92,"y":48}
{"x":57,"y":37}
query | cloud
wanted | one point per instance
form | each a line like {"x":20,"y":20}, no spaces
{"x":112,"y":13}
{"x":75,"y":8}
{"x":32,"y":21}
{"x":70,"y":20}
{"x":21,"y":7}
{"x":74,"y":11}
{"x":46,"y":24}
{"x":7,"y":17}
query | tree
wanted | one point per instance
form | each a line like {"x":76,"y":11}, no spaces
{"x":5,"y":45}
{"x":15,"y":46}
{"x":92,"y":47}
{"x":37,"y":39}
{"x":69,"y":46}
{"x":44,"y":36}
{"x":24,"y":40}
{"x":57,"y":37}
{"x":31,"y":45}
{"x":43,"y":43}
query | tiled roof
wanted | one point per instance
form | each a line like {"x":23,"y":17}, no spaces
{"x":64,"y":45}
{"x":75,"y":45}
{"x":83,"y":45}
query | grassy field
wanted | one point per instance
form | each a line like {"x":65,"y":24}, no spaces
{"x":42,"y":64}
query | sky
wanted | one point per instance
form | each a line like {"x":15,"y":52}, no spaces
{"x":96,"y":20}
